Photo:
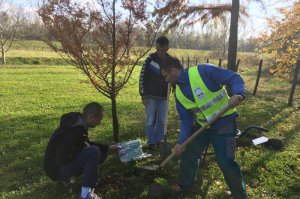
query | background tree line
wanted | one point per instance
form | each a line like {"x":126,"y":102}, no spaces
{"x":212,"y":39}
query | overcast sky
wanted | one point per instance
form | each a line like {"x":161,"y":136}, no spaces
{"x":255,"y":23}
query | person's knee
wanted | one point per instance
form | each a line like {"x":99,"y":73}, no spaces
{"x":225,"y":164}
{"x":149,"y":121}
{"x":189,"y":158}
{"x":93,"y":153}
{"x":149,"y":124}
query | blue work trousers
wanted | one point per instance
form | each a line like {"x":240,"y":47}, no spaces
{"x":224,"y":144}
{"x":86,"y":163}
{"x":155,"y":118}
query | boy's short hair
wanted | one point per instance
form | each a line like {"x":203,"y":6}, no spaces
{"x":93,"y":108}
{"x":170,"y":62}
{"x":162,"y":41}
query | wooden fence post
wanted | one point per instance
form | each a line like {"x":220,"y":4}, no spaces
{"x":220,"y":62}
{"x":237,"y":64}
{"x":196,"y":63}
{"x":188,"y":62}
{"x":258,"y":76}
{"x":182,"y":60}
{"x":290,"y":103}
{"x":207,"y":61}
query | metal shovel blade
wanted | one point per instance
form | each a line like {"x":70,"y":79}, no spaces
{"x":152,"y":167}
{"x":165,"y":150}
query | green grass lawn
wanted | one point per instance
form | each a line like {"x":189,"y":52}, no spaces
{"x":33,"y":97}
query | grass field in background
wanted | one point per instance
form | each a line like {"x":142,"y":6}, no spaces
{"x":31,"y":57}
{"x":33,"y":97}
{"x":38,"y":52}
{"x":30,"y":44}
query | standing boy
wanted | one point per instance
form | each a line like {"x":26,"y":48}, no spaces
{"x":153,"y":90}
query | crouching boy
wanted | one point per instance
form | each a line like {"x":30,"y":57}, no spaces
{"x":70,"y":153}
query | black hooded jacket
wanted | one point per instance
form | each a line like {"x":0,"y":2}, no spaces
{"x":66,"y":142}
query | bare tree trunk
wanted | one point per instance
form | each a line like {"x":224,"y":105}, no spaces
{"x":113,"y":95}
{"x":115,"y":118}
{"x":290,"y":103}
{"x":3,"y":55}
{"x":233,"y":38}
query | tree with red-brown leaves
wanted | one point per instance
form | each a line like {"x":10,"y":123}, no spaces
{"x":183,"y":12}
{"x":99,"y":39}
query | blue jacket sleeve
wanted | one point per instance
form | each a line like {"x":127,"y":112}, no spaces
{"x":186,"y":119}
{"x":221,"y":77}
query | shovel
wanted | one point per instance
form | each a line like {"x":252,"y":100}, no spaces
{"x":189,"y":140}
{"x":164,"y":147}
{"x":194,"y":135}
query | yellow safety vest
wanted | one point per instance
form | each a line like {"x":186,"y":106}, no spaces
{"x":207,"y":103}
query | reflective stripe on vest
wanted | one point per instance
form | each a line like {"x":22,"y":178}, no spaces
{"x":207,"y":103}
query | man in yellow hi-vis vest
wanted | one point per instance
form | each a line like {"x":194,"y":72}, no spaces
{"x":199,"y":97}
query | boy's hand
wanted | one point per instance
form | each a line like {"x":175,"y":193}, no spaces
{"x":144,"y":101}
{"x":235,"y":100}
{"x":113,"y":148}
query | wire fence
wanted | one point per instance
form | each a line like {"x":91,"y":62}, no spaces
{"x":31,"y":48}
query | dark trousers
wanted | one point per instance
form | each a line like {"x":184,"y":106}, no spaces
{"x":86,"y":163}
{"x":224,"y":145}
